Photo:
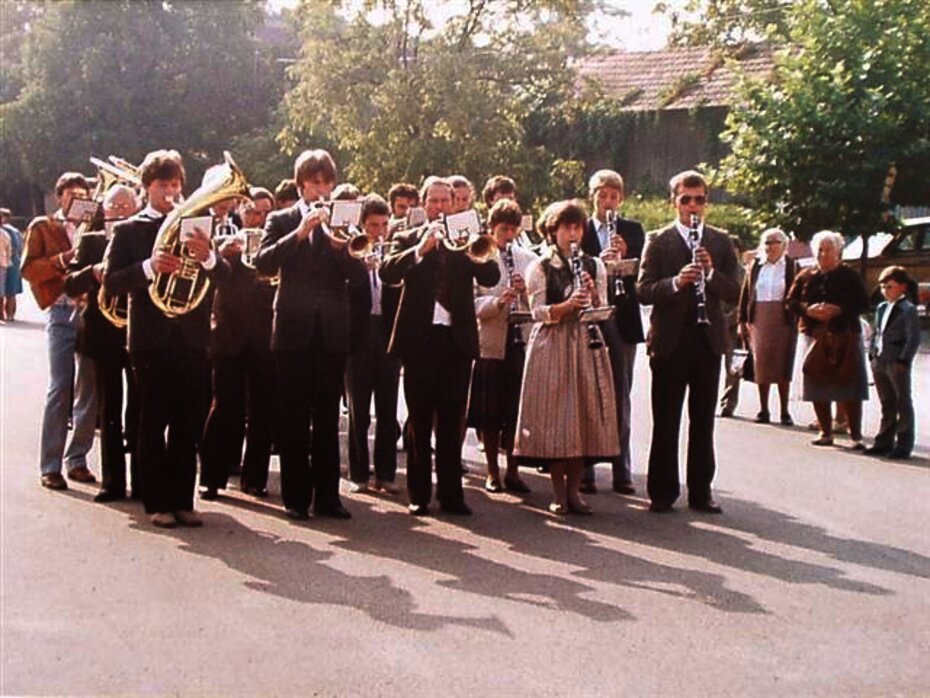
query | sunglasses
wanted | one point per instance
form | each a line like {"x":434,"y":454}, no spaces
{"x":686,"y":199}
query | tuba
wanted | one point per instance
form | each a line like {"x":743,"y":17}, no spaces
{"x":182,"y":291}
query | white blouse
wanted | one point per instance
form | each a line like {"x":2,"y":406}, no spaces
{"x":770,"y":286}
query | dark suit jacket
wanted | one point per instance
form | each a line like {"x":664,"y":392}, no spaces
{"x":747,"y":297}
{"x":664,"y":256}
{"x":98,"y":338}
{"x":242,"y":312}
{"x":419,"y":292}
{"x":46,"y":238}
{"x":150,"y":330}
{"x":901,"y":338}
{"x":321,"y":288}
{"x":627,"y":315}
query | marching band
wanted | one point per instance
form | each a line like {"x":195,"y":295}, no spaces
{"x":240,"y":320}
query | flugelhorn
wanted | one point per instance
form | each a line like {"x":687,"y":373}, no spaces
{"x":180,"y":292}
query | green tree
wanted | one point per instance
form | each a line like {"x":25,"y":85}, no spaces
{"x":127,"y":77}
{"x":812,"y":146}
{"x":727,"y":23}
{"x":400,"y":98}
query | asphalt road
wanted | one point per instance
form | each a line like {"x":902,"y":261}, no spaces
{"x":813,"y":582}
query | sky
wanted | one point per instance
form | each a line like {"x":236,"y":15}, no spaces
{"x":641,"y":31}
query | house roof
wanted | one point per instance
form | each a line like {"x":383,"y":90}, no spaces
{"x":675,"y":78}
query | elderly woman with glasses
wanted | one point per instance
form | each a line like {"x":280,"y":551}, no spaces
{"x":829,"y":296}
{"x":766,"y":322}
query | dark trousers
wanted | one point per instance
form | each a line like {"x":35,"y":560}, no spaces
{"x":370,"y":370}
{"x":242,"y":407}
{"x":170,"y":391}
{"x":893,"y":384}
{"x":309,"y":388}
{"x":109,"y":382}
{"x":696,"y":368}
{"x":436,"y":389}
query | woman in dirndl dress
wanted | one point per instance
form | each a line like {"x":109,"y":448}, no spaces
{"x":767,"y":323}
{"x":567,"y":405}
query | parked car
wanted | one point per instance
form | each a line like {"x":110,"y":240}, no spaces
{"x":909,"y":247}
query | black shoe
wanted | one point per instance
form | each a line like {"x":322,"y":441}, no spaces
{"x":297,"y":514}
{"x":587,"y":488}
{"x":708,"y":506}
{"x":726,"y":412}
{"x":104,"y":496}
{"x":624,"y":488}
{"x":878,"y":450}
{"x":255,"y":491}
{"x":517,"y":486}
{"x":786,"y":420}
{"x":899,"y":454}
{"x":763,"y":418}
{"x":661,"y":507}
{"x":332,"y":511}
{"x":456,"y":508}
{"x":418,"y":510}
{"x":209,"y":493}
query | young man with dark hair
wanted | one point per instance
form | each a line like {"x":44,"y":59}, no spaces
{"x":285,"y":194}
{"x":894,"y":345}
{"x":623,"y":239}
{"x":463,"y":193}
{"x":436,"y":337}
{"x":679,"y":271}
{"x":322,"y":299}
{"x":371,"y":370}
{"x":168,"y":355}
{"x":498,"y":187}
{"x":49,"y":249}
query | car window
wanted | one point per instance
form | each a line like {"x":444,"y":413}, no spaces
{"x":906,"y":243}
{"x":924,"y":237}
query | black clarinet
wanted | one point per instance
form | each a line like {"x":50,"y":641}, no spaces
{"x":694,"y":237}
{"x":594,"y":335}
{"x":515,"y":331}
{"x":619,"y":290}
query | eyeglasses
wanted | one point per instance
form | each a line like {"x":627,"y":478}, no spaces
{"x":686,"y":199}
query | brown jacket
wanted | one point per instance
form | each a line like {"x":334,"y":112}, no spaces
{"x":45,"y":259}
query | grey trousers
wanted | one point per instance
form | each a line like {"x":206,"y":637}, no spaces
{"x":893,"y":384}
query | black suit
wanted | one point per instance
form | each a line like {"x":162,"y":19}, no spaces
{"x":621,"y":334}
{"x":320,"y":309}
{"x":243,"y":381}
{"x":437,"y":359}
{"x":105,"y":344}
{"x":169,"y":361}
{"x":372,"y":371}
{"x":684,"y":355}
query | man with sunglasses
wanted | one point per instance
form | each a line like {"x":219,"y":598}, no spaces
{"x":685,"y":353}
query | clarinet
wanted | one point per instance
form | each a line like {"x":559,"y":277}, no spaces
{"x":516,"y":332}
{"x":594,"y":336}
{"x":619,"y":290}
{"x":693,"y":236}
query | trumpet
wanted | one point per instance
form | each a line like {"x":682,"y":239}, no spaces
{"x":694,"y":239}
{"x":480,"y":248}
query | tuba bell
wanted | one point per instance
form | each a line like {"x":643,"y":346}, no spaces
{"x":180,"y":292}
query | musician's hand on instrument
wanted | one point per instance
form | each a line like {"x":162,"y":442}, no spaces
{"x":429,"y":241}
{"x":165,"y":263}
{"x":580,"y":298}
{"x":231,"y":247}
{"x":689,"y":274}
{"x":198,"y":245}
{"x":609,"y":256}
{"x":518,"y":283}
{"x":618,"y":245}
{"x":702,"y":257}
{"x":311,"y":221}
{"x":506,"y":299}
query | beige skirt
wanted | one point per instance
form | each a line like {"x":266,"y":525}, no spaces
{"x":567,"y":403}
{"x":773,"y":343}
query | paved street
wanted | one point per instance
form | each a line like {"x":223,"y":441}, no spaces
{"x":815,"y":581}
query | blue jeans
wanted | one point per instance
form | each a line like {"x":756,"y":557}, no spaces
{"x":62,"y":330}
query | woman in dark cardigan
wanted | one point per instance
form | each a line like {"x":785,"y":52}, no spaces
{"x":829,"y":295}
{"x":766,"y":322}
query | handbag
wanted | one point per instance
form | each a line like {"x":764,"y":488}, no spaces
{"x":743,"y":364}
{"x":832,"y":356}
